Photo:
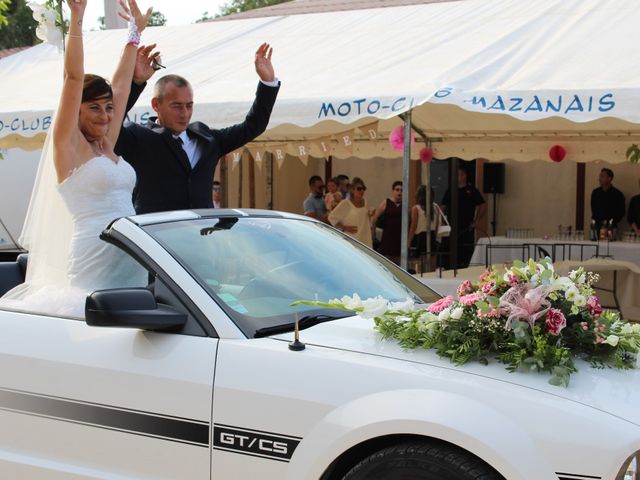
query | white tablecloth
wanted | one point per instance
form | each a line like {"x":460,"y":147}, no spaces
{"x":503,"y":249}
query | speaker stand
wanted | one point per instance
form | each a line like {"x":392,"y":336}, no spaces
{"x":493,"y":221}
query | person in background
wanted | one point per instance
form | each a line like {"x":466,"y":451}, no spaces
{"x":391,"y":224}
{"x":471,"y":207}
{"x":607,"y":202}
{"x":215,"y":194}
{"x":333,"y":197}
{"x":633,"y":215}
{"x":313,"y":205}
{"x":418,"y":225}
{"x":352,"y":215}
{"x":343,"y":185}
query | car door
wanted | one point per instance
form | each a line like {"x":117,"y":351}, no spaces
{"x":85,"y":402}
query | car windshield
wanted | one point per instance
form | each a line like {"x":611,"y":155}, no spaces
{"x":255,"y":267}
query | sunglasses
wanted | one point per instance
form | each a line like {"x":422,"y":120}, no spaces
{"x":360,"y":189}
{"x":156,"y":65}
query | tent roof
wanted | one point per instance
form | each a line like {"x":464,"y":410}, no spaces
{"x":495,"y":79}
{"x":298,"y":7}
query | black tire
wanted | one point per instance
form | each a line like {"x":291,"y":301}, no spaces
{"x":422,"y":461}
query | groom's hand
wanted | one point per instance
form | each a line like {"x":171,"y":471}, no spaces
{"x":264,"y":68}
{"x":145,"y":64}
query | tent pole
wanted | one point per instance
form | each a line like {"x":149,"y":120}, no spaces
{"x":406,"y":157}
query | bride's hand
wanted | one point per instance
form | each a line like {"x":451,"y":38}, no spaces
{"x":132,"y":12}
{"x":77,"y":6}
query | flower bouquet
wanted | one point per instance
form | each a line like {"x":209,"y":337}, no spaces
{"x":528,"y":317}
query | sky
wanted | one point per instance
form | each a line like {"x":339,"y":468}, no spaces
{"x":176,"y":12}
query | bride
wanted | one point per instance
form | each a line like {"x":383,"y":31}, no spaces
{"x":82,"y":185}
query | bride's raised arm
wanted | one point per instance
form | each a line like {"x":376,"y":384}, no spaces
{"x":121,"y":83}
{"x":66,"y":131}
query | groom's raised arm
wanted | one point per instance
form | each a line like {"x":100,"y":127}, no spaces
{"x":257,"y":119}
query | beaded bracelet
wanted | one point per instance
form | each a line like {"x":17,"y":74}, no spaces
{"x":133,"y":36}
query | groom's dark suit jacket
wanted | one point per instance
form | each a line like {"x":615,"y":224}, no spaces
{"x":165,"y":179}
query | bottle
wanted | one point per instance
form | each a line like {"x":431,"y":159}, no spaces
{"x":603,"y":230}
{"x":611,"y":233}
{"x":609,"y":229}
{"x":593,"y":233}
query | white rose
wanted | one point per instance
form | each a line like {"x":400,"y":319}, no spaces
{"x":373,"y":307}
{"x":612,"y":340}
{"x":580,"y":301}
{"x":444,"y":315}
{"x":457,"y":312}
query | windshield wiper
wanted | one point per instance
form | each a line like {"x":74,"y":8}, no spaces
{"x":304,"y":322}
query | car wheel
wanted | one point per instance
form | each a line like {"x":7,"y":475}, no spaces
{"x":422,"y":461}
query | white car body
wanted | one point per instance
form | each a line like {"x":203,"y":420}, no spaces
{"x":78,"y":401}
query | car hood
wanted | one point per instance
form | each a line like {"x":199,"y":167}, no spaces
{"x":616,"y":392}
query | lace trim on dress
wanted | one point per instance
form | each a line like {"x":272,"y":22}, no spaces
{"x":73,"y":171}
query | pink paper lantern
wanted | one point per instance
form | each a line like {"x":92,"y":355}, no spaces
{"x":557,"y":153}
{"x":396,"y":138}
{"x":426,"y":155}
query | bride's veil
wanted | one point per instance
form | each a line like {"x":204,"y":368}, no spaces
{"x":47,"y":230}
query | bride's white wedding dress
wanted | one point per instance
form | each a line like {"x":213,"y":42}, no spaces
{"x":95,"y":194}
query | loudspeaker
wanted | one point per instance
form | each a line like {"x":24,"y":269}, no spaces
{"x":493,"y":178}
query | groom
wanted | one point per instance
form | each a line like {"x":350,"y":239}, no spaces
{"x":175,"y":159}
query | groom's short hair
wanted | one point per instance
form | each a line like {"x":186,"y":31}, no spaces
{"x":177,"y":80}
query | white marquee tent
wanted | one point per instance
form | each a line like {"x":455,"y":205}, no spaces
{"x":485,"y":78}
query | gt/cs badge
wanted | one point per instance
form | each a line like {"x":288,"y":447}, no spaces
{"x":254,"y":442}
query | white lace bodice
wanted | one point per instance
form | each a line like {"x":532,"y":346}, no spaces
{"x":98,"y":190}
{"x":97,"y":193}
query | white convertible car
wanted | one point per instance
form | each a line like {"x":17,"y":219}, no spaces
{"x":192,"y":376}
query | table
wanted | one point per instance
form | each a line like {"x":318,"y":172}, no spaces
{"x":503,"y":250}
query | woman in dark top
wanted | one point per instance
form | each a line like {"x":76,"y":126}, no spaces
{"x":391,"y":223}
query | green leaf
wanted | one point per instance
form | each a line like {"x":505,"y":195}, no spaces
{"x":483,"y":306}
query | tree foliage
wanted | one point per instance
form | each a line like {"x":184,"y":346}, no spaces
{"x":18,"y":28}
{"x":4,"y":6}
{"x":157,"y":19}
{"x":204,"y":18}
{"x":237,"y":6}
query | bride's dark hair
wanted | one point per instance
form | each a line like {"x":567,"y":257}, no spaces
{"x":95,"y":88}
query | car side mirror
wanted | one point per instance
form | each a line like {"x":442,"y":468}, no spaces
{"x":132,"y":308}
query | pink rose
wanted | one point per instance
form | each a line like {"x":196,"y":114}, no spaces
{"x":555,"y":321}
{"x":489,"y":287}
{"x":471,"y":299}
{"x":593,"y":304}
{"x":437,"y":307}
{"x":464,"y":288}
